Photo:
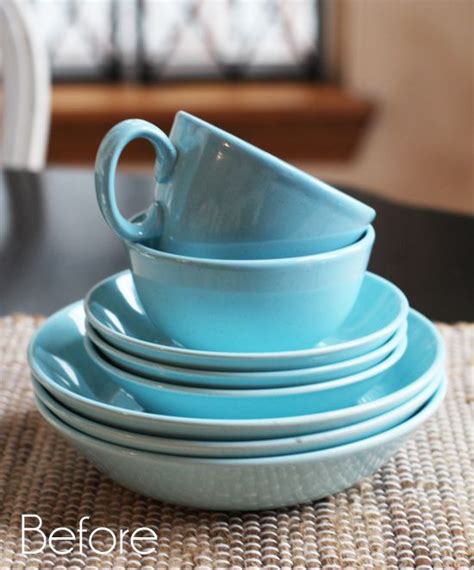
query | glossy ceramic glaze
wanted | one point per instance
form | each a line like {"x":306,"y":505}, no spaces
{"x":243,"y":380}
{"x":161,"y":397}
{"x":233,"y":449}
{"x":244,"y":484}
{"x":220,"y":197}
{"x":252,"y":306}
{"x":114,"y":310}
{"x":60,"y":362}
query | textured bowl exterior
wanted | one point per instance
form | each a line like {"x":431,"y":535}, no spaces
{"x":244,"y":484}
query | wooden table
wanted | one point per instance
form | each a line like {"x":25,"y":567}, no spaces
{"x":54,"y":244}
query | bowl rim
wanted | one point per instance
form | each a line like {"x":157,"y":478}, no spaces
{"x":302,"y":353}
{"x":360,"y":445}
{"x":53,"y":404}
{"x":365,"y":242}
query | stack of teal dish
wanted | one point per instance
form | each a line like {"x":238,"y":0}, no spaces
{"x":247,"y":360}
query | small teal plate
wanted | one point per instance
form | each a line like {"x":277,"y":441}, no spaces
{"x":244,"y":484}
{"x":171,"y":399}
{"x":245,"y":380}
{"x":115,"y":312}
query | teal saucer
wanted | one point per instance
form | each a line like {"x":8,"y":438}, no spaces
{"x":245,"y":379}
{"x":115,"y":312}
{"x":171,"y":399}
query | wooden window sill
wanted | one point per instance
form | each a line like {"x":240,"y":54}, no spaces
{"x":296,"y":121}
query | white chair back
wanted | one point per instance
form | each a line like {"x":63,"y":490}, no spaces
{"x":26,"y":93}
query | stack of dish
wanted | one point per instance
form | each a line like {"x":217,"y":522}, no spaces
{"x":230,"y":381}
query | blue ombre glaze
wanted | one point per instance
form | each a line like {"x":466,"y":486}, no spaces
{"x":114,"y":310}
{"x":249,"y":305}
{"x":220,"y":197}
{"x":61,"y":363}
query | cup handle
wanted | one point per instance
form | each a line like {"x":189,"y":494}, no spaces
{"x":108,"y":156}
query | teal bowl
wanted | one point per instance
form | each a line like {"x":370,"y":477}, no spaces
{"x":61,"y":363}
{"x":244,"y":484}
{"x":264,"y":305}
{"x":244,"y":380}
{"x":115,"y":312}
{"x":235,"y":449}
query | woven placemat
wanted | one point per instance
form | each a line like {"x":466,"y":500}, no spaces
{"x":417,"y":511}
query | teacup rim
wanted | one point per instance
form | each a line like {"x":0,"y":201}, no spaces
{"x":367,"y":239}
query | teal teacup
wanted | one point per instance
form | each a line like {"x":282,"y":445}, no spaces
{"x":220,"y":197}
{"x":249,"y":305}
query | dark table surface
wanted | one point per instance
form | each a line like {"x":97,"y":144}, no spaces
{"x":54,"y":244}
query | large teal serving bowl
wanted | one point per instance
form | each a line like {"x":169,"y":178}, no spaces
{"x":249,"y":305}
{"x":115,"y":312}
{"x":244,"y":484}
{"x":60,"y":362}
{"x":244,"y":380}
{"x":234,"y":449}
